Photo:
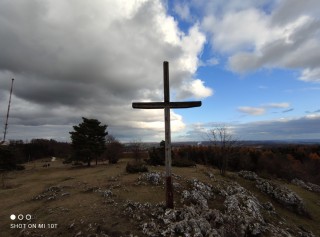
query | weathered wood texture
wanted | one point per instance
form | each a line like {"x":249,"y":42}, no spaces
{"x":167,"y":105}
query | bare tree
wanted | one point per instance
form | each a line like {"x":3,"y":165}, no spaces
{"x":137,"y":148}
{"x":223,"y":141}
{"x":114,"y":149}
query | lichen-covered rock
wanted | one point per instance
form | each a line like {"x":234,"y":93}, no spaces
{"x":154,"y":178}
{"x":283,"y":195}
{"x":308,"y":186}
{"x":243,"y":212}
{"x":199,"y":194}
{"x":268,"y":206}
{"x":301,"y":183}
{"x":209,"y":174}
{"x":234,"y":188}
{"x":190,"y":221}
{"x":194,"y":197}
{"x":177,"y":186}
{"x":51,"y":193}
{"x":241,"y":215}
{"x":107,"y":193}
{"x":248,"y":175}
{"x":204,"y":189}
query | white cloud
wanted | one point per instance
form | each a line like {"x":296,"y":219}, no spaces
{"x":261,"y":110}
{"x":295,"y":47}
{"x":252,"y":110}
{"x":80,"y":58}
{"x":192,"y":45}
{"x":236,"y":31}
{"x":290,"y":128}
{"x":243,"y":62}
{"x":182,"y":10}
{"x":265,"y":34}
{"x":277,"y":105}
{"x":194,"y":89}
{"x":311,"y":75}
{"x":210,"y":62}
{"x":305,"y":127}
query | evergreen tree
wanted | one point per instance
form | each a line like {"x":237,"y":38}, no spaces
{"x":88,"y":140}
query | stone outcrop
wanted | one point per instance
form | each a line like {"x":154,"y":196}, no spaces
{"x":154,"y":178}
{"x":283,"y":195}
{"x":248,"y":175}
{"x":242,"y":213}
{"x":220,"y":208}
{"x":279,"y":193}
{"x":306,"y":185}
{"x":52,"y":193}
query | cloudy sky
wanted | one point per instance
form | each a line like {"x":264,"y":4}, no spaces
{"x":254,"y":64}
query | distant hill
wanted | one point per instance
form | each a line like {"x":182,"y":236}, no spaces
{"x":241,"y":143}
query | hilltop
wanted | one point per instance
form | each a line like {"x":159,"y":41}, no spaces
{"x":104,"y":200}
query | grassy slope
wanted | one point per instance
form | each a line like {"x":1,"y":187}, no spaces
{"x":85,"y":210}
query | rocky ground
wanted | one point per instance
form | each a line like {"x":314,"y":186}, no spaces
{"x":241,"y":204}
{"x":242,"y":214}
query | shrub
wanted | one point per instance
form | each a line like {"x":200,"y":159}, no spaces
{"x":179,"y":162}
{"x":20,"y":167}
{"x":67,"y":161}
{"x":7,"y":159}
{"x":156,"y":156}
{"x":136,"y":167}
{"x":114,"y":150}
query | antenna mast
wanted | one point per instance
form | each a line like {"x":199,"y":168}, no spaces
{"x":6,"y":124}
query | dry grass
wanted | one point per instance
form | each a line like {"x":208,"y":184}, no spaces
{"x":85,"y":210}
{"x":80,"y":207}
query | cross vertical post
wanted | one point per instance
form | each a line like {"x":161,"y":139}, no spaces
{"x":167,"y":131}
{"x":167,"y":105}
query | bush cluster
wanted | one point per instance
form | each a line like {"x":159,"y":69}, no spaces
{"x":136,"y":167}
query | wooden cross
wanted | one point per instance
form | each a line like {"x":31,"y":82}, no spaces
{"x":167,"y":105}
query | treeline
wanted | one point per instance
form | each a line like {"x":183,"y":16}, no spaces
{"x":18,"y":152}
{"x":285,"y":161}
{"x":279,"y":161}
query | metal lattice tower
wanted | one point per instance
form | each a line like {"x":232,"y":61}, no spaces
{"x":7,"y":118}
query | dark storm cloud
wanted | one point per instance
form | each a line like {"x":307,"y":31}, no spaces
{"x":288,"y":10}
{"x":78,"y":58}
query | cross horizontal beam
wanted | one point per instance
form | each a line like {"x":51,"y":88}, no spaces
{"x":162,"y":105}
{"x":167,"y":105}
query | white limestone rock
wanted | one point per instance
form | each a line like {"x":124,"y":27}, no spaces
{"x":248,"y":175}
{"x":282,"y":195}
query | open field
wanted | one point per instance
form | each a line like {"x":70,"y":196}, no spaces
{"x":75,"y":201}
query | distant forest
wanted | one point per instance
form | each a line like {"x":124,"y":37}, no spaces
{"x":278,"y":161}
